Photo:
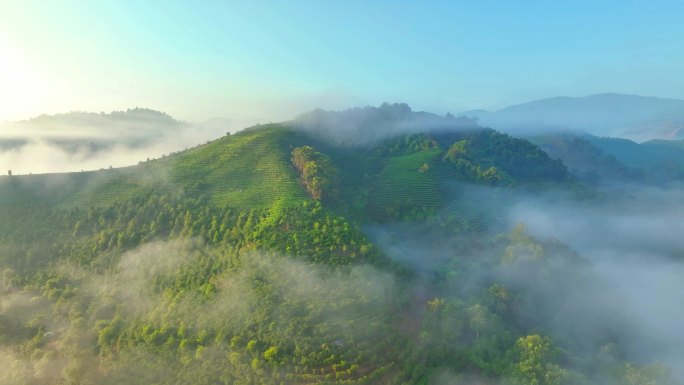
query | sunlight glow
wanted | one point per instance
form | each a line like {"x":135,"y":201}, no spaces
{"x":21,"y":86}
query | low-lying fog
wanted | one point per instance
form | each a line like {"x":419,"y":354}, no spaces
{"x":635,"y":245}
{"x":88,"y":141}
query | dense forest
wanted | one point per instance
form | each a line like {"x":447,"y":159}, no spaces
{"x":270,"y":257}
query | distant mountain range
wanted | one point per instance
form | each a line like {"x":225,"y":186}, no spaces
{"x":612,"y":123}
{"x":633,"y":117}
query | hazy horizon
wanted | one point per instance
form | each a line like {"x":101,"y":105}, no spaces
{"x":81,"y":140}
{"x":274,"y":60}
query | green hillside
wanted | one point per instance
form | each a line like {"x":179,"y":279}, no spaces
{"x":595,"y":160}
{"x":249,"y":260}
{"x":646,"y":155}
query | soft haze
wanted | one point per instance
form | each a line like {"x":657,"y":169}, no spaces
{"x":272,"y":60}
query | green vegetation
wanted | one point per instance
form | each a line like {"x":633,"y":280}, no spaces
{"x":584,"y":160}
{"x":489,"y":157}
{"x":405,"y":188}
{"x":245,"y":261}
{"x":317,"y":173}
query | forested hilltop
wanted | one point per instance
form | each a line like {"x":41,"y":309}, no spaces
{"x":288,"y":255}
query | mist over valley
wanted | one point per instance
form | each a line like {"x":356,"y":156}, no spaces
{"x":368,"y":245}
{"x":350,"y":193}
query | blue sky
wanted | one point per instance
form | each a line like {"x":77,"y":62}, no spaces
{"x":275,"y":59}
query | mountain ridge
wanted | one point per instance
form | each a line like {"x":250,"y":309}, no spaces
{"x":608,"y":114}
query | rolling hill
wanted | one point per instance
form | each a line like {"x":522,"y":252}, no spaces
{"x":262,"y":257}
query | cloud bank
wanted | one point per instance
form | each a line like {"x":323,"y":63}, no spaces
{"x":88,"y":141}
